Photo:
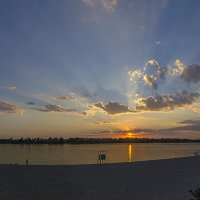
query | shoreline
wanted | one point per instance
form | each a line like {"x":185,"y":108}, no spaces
{"x":166,"y":179}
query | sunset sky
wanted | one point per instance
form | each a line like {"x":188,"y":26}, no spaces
{"x":100,"y":68}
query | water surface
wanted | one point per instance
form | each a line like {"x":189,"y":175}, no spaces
{"x":42,"y":154}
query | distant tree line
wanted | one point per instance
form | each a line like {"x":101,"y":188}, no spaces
{"x":77,"y":140}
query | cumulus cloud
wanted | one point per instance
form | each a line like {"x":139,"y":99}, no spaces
{"x":159,"y":71}
{"x":112,"y":108}
{"x":54,"y":108}
{"x":166,"y":102}
{"x":191,"y":74}
{"x":9,"y":108}
{"x":153,"y":63}
{"x":108,"y":5}
{"x":150,"y":80}
{"x":177,"y":68}
{"x":135,"y":75}
{"x":151,"y":74}
{"x":169,"y":80}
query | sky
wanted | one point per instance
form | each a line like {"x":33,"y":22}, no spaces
{"x":100,"y":68}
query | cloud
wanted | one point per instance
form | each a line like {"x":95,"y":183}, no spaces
{"x":108,"y":5}
{"x":135,"y":75}
{"x":177,"y":68}
{"x":150,"y":81}
{"x":116,"y":132}
{"x":158,"y":43}
{"x":112,"y":108}
{"x":90,"y":2}
{"x":196,"y":109}
{"x":84,"y":113}
{"x":191,"y":74}
{"x":76,"y":97}
{"x":30,"y":103}
{"x":187,"y":126}
{"x":9,"y":108}
{"x":191,"y":122}
{"x":145,"y":130}
{"x":159,"y":71}
{"x":103,"y":122}
{"x":67,"y":98}
{"x":151,"y":74}
{"x":12,"y":87}
{"x":54,"y":108}
{"x":124,"y":132}
{"x":166,"y":102}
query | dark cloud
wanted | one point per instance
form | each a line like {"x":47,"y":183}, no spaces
{"x":84,"y":113}
{"x":123,"y":132}
{"x":30,"y":103}
{"x":9,"y":108}
{"x":190,"y":122}
{"x":117,"y":132}
{"x":166,"y":102}
{"x":143,"y":130}
{"x":54,"y":108}
{"x":191,"y":74}
{"x":66,"y":98}
{"x":112,"y":108}
{"x":191,"y":126}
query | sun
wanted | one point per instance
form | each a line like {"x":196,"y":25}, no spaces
{"x":130,"y":134}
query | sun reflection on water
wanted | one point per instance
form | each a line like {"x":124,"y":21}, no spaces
{"x":130,"y":153}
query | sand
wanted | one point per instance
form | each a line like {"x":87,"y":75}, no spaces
{"x":150,"y":180}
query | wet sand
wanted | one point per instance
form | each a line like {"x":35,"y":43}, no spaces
{"x":150,"y":180}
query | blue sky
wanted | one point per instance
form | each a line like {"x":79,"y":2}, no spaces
{"x":100,"y":68}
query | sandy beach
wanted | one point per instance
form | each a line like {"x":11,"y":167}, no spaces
{"x":150,"y":180}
